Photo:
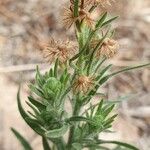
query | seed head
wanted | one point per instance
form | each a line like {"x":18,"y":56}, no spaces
{"x":69,"y":19}
{"x":61,"y":50}
{"x":83,"y":84}
{"x":103,"y":3}
{"x":109,"y":48}
{"x":86,"y":17}
{"x":82,"y":3}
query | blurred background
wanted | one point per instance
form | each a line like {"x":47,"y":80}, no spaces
{"x":25,"y":25}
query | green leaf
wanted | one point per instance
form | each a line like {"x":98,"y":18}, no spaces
{"x":95,"y":49}
{"x":45,"y":144}
{"x":36,"y":90}
{"x":66,"y":79}
{"x":63,"y":76}
{"x":56,"y":133}
{"x":128,"y":69}
{"x":101,"y":20}
{"x":35,"y":125}
{"x":131,"y":147}
{"x":110,"y":120}
{"x":37,"y":104}
{"x":22,"y":140}
{"x":77,"y":146}
{"x":108,"y":110}
{"x":99,"y":64}
{"x":109,"y":21}
{"x":39,"y":78}
{"x":84,"y":47}
{"x":31,"y":114}
{"x":21,"y":110}
{"x":103,"y":72}
{"x":78,"y":118}
{"x":96,"y":147}
{"x":103,"y":80}
{"x":83,"y":35}
{"x":51,"y":73}
{"x":56,"y":68}
{"x":26,"y":117}
{"x":33,"y":108}
{"x":100,"y":105}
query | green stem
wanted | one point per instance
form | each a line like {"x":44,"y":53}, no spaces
{"x":60,"y":144}
{"x":72,"y":129}
{"x":45,"y":144}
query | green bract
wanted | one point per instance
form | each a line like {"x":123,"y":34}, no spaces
{"x":52,"y":88}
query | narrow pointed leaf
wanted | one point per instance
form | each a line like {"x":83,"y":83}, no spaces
{"x":78,"y":118}
{"x":102,"y":19}
{"x":56,"y":133}
{"x":45,"y":144}
{"x":108,"y":110}
{"x":128,"y":69}
{"x":35,"y":125}
{"x":109,"y":21}
{"x":99,"y":64}
{"x":33,"y":108}
{"x":25,"y":115}
{"x":39,"y":77}
{"x":56,"y":68}
{"x":131,"y":147}
{"x":22,"y":140}
{"x":77,"y":146}
{"x":104,"y":71}
{"x":95,"y":49}
{"x":37,"y":104}
{"x":36,"y":90}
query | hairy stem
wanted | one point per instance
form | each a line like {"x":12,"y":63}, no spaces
{"x":72,"y":129}
{"x":60,"y":144}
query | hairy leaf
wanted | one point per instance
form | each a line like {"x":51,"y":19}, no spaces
{"x":56,"y":133}
{"x":45,"y":144}
{"x":21,"y":139}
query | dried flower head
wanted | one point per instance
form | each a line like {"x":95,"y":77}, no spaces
{"x":109,"y":48}
{"x":94,"y":43}
{"x":69,"y":19}
{"x":82,"y":3}
{"x":86,"y":17}
{"x":61,"y":50}
{"x":103,"y":3}
{"x":83,"y":84}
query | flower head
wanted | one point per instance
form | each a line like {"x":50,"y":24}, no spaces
{"x":86,"y":17}
{"x":69,"y":19}
{"x":83,"y":84}
{"x":103,"y":3}
{"x":61,"y":50}
{"x":109,"y":48}
{"x":82,"y":3}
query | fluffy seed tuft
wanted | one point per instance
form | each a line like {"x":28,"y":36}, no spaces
{"x":83,"y":84}
{"x":109,"y":48}
{"x":61,"y":50}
